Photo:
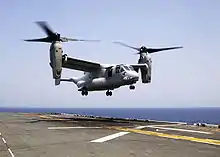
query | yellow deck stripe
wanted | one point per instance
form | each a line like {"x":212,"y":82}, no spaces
{"x":172,"y":136}
{"x":52,"y":118}
{"x":46,"y":117}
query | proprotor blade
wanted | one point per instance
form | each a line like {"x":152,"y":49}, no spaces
{"x":123,"y":44}
{"x":54,"y":36}
{"x":153,"y":50}
{"x":83,"y":40}
{"x":65,"y":39}
{"x":39,"y":40}
{"x":144,"y":49}
{"x":45,"y":27}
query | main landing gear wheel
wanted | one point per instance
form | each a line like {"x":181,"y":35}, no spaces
{"x":108,"y":93}
{"x":131,"y":87}
{"x":84,"y":92}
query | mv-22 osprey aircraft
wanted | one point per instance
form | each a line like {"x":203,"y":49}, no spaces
{"x":97,"y":77}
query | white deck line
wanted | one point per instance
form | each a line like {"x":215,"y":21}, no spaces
{"x":77,"y":127}
{"x":110,"y":137}
{"x":6,"y":145}
{"x":116,"y":135}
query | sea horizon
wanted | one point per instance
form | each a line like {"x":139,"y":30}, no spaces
{"x":188,"y":114}
{"x":112,"y":107}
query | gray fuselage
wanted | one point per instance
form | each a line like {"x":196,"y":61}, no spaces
{"x":107,"y":79}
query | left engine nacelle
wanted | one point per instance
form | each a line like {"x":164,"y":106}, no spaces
{"x":57,"y":67}
{"x":56,"y":60}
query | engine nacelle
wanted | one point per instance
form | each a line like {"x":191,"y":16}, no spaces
{"x":56,"y":61}
{"x":57,"y":73}
{"x":57,"y":82}
{"x":145,"y":73}
{"x":57,"y":67}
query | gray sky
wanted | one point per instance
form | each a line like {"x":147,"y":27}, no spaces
{"x":186,"y":77}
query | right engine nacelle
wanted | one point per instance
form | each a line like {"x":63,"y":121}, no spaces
{"x":145,"y":73}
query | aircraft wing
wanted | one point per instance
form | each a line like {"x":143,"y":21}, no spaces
{"x":139,"y":66}
{"x":81,"y":65}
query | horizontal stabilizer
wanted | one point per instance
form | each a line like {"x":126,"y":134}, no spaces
{"x":69,"y":80}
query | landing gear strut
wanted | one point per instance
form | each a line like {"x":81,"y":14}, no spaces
{"x":131,"y":87}
{"x":108,"y":93}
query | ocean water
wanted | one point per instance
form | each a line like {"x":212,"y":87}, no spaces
{"x":189,"y":115}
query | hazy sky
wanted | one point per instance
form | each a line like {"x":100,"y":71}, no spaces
{"x":186,"y":77}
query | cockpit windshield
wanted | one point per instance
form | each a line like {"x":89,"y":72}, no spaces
{"x":126,"y":67}
{"x":122,"y":69}
{"x":131,"y":67}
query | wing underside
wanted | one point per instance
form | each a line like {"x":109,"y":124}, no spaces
{"x":81,"y":65}
{"x":139,"y":66}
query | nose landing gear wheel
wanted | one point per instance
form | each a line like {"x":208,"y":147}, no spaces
{"x":108,"y":93}
{"x":131,"y":87}
{"x":84,"y":93}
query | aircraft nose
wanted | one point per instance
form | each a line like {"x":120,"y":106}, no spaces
{"x":133,"y":75}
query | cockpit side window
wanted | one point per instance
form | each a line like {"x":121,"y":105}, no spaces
{"x":110,"y":72}
{"x":122,"y":70}
{"x":117,"y":70}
